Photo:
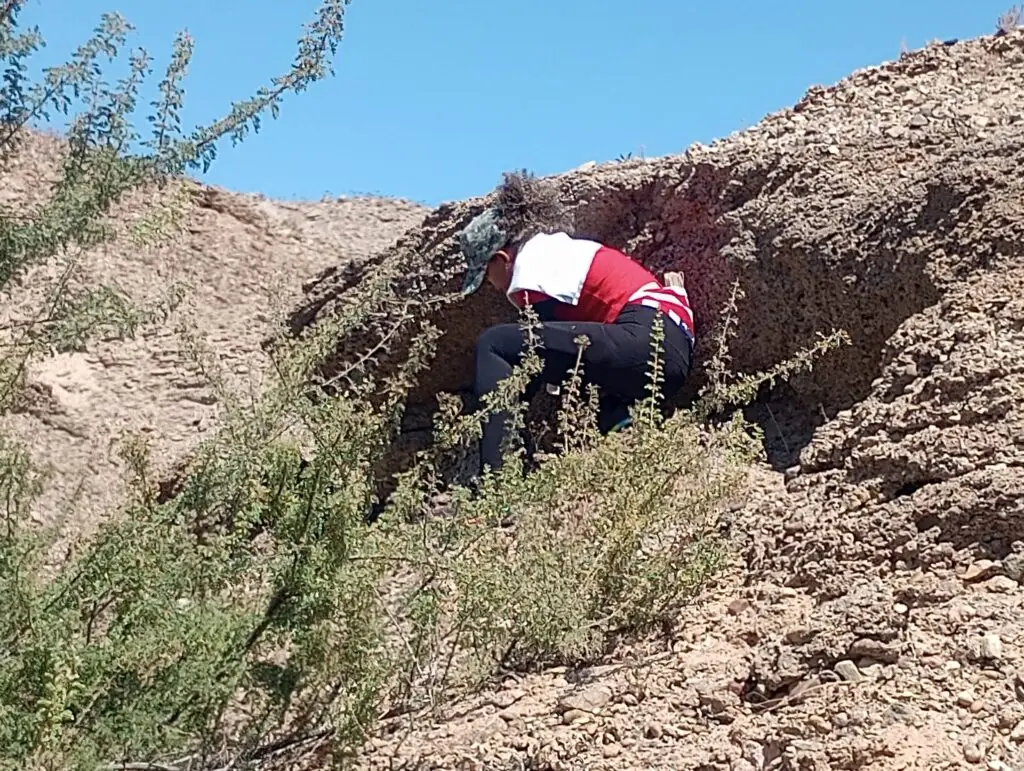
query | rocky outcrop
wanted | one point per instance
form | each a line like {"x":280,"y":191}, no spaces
{"x":872,"y":619}
{"x":857,"y":209}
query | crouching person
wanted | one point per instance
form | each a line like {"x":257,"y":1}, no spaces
{"x":577,"y":287}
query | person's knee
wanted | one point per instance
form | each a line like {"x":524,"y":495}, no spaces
{"x":498,"y":340}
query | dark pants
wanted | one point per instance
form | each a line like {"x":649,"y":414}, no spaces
{"x":616,"y":361}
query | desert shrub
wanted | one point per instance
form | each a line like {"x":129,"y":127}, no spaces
{"x":1010,"y":20}
{"x":254,"y":618}
{"x":141,"y":643}
{"x":607,"y":538}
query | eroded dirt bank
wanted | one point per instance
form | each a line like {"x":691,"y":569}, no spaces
{"x":872,"y":618}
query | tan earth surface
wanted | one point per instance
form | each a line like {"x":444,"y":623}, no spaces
{"x":244,"y":258}
{"x":873,"y":615}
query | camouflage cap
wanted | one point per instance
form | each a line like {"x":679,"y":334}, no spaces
{"x":479,"y":240}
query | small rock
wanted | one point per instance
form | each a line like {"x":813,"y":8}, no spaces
{"x":1008,"y":717}
{"x":630,"y":700}
{"x":738,"y":606}
{"x":653,"y":731}
{"x":485,"y":729}
{"x":1013,"y":566}
{"x":592,"y":699}
{"x":847,"y":670}
{"x":817,"y":721}
{"x":611,"y":750}
{"x":887,"y":653}
{"x":505,"y":699}
{"x":791,"y":473}
{"x":587,"y":166}
{"x":918,"y":121}
{"x":799,"y":636}
{"x":991,"y":647}
{"x":713,"y":696}
{"x":965,"y":699}
{"x":1017,"y":734}
{"x":973,"y":754}
{"x":575,"y":717}
{"x":1001,"y":585}
{"x":869,"y":667}
{"x":980,"y":570}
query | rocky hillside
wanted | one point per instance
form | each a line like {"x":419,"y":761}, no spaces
{"x":244,"y":258}
{"x":873,"y":616}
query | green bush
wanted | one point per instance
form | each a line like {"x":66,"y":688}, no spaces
{"x":254,"y":616}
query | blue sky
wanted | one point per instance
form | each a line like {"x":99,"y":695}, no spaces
{"x":432,"y":100}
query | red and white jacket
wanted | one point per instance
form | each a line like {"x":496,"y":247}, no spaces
{"x":591,"y":282}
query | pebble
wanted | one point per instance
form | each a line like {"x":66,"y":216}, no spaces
{"x":973,"y":754}
{"x":847,"y":670}
{"x":1017,"y":734}
{"x":991,"y":647}
{"x":980,"y":570}
{"x":1013,"y":566}
{"x":712,"y":696}
{"x":575,"y":717}
{"x":738,"y":606}
{"x":653,"y":731}
{"x":505,"y":699}
{"x":591,"y":699}
{"x":965,"y":699}
{"x":817,"y":721}
{"x":611,"y":750}
{"x":1001,"y":585}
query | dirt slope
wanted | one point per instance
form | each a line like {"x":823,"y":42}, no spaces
{"x":245,"y":258}
{"x":873,"y":617}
